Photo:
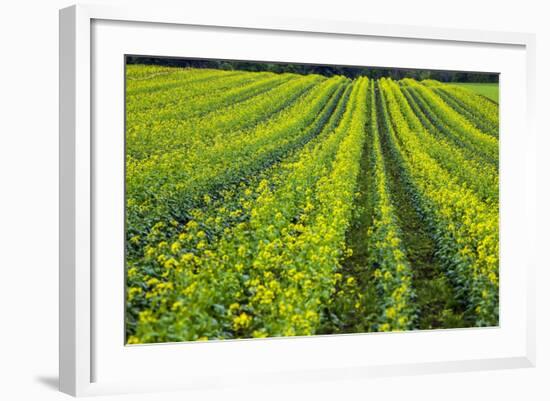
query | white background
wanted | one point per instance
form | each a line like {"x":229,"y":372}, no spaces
{"x":28,"y":209}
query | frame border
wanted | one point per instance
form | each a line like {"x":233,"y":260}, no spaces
{"x":75,"y":174}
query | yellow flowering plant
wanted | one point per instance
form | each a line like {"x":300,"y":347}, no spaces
{"x":263,"y":204}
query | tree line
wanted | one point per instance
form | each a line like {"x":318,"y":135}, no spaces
{"x":326,"y":70}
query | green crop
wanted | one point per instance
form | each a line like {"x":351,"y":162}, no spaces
{"x":262,"y":204}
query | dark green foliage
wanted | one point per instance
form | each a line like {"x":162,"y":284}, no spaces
{"x":326,"y":70}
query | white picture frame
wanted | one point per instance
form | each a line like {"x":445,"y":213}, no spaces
{"x":80,"y":158}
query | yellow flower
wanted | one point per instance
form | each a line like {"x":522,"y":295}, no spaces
{"x":149,"y":252}
{"x":402,"y":321}
{"x":384,"y":327}
{"x":132,"y":292}
{"x":311,"y":315}
{"x":259,"y":334}
{"x":175,"y":247}
{"x":241,"y":321}
{"x":176,"y":305}
{"x":187,"y":257}
{"x":146,"y":316}
{"x":170,"y":263}
{"x":161,"y":287}
{"x":133,"y":340}
{"x":241,"y":251}
{"x":152,"y":281}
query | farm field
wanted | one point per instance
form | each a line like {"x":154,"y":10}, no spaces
{"x":489,"y":90}
{"x":263,"y":204}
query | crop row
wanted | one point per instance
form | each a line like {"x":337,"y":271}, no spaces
{"x":465,"y":228}
{"x":482,"y":111}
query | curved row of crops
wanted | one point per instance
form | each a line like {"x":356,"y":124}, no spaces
{"x":262,"y":204}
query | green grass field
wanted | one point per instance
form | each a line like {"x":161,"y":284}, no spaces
{"x":489,"y":90}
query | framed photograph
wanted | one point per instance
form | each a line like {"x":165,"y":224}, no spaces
{"x":283,"y":200}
